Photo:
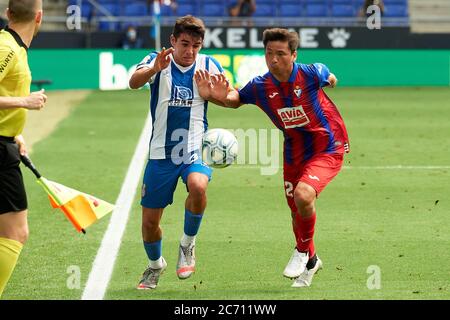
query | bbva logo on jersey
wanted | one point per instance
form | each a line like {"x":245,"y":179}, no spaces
{"x":293,"y":117}
{"x":182,"y":97}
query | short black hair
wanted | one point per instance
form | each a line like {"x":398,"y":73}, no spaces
{"x":284,"y":35}
{"x":190,"y":25}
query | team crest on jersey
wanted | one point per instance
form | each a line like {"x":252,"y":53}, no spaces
{"x":182,"y":97}
{"x":293,"y":117}
{"x":298,"y":92}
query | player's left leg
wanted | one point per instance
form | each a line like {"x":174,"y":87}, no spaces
{"x":196,"y":177}
{"x":317,"y":173}
{"x":303,"y":219}
{"x":13,"y":234}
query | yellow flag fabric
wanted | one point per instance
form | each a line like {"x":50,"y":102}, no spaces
{"x":80,"y":208}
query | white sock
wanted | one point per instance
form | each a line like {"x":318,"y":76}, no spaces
{"x":157,"y":264}
{"x":187,"y":240}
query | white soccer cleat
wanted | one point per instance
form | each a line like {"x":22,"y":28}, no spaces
{"x":305,"y":279}
{"x":151,"y":276}
{"x":296,"y":265}
{"x":186,"y":261}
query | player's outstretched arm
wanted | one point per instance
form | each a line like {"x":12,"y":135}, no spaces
{"x":216,"y":88}
{"x":35,"y":101}
{"x":332,"y":80}
{"x":143,"y":75}
{"x":220,"y":85}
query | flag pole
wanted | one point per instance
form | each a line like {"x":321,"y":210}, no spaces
{"x":27,"y":162}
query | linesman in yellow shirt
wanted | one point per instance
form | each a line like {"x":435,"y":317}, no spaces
{"x":25,"y":17}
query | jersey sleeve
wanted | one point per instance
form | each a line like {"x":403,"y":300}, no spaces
{"x":322,"y":73}
{"x":8,"y":59}
{"x":246,"y":94}
{"x":214,"y":66}
{"x":148,"y":62}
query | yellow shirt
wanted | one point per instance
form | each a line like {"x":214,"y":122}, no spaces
{"x":15,"y":81}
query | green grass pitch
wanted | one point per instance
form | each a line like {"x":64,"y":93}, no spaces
{"x":373,"y":215}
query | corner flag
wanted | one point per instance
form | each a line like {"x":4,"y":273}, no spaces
{"x":80,"y":208}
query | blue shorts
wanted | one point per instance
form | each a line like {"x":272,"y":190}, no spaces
{"x":161,"y":178}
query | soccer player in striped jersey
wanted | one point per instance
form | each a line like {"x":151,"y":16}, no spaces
{"x":179,"y":121}
{"x":315,"y":141}
{"x":24,"y":18}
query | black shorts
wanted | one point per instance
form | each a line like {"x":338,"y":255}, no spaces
{"x":12,"y":189}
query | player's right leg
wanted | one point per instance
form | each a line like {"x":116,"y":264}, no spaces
{"x":299,"y":258}
{"x":152,"y":237}
{"x":305,"y":279}
{"x":13,"y":234}
{"x":13,"y":209}
{"x":160,"y":180}
{"x":196,"y":176}
{"x":316,"y":173}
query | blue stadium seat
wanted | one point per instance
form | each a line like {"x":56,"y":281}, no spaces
{"x":316,"y":10}
{"x":187,"y":8}
{"x":108,"y":26}
{"x":342,"y":10}
{"x":289,"y":9}
{"x":389,"y":2}
{"x":325,"y":2}
{"x":266,"y":2}
{"x":136,"y":9}
{"x":114,"y":9}
{"x":395,"y":10}
{"x":103,"y":2}
{"x":86,"y":9}
{"x":166,"y":11}
{"x":350,"y":2}
{"x":265,"y":10}
{"x":213,"y":9}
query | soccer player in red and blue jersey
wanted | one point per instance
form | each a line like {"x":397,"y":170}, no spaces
{"x":315,"y":141}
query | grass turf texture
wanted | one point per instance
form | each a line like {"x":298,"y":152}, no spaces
{"x":394,"y":219}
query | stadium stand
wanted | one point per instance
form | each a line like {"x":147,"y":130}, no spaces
{"x":423,"y":16}
{"x":265,"y":8}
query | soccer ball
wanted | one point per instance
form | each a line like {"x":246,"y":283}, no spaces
{"x":220,"y":148}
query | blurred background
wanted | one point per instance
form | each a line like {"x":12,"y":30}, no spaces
{"x":120,"y":33}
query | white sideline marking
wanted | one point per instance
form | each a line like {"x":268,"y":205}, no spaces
{"x":103,"y":265}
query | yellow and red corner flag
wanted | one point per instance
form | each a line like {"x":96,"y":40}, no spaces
{"x":80,"y":208}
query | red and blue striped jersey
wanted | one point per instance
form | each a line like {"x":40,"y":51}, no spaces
{"x":309,"y":120}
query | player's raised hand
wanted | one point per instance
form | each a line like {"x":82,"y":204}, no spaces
{"x":220,"y":87}
{"x":203,"y":80}
{"x":162,"y":60}
{"x":36,"y":100}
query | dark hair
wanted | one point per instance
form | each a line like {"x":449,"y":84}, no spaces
{"x":22,"y":10}
{"x":190,"y":25}
{"x":284,"y":35}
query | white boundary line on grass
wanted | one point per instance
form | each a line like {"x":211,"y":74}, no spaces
{"x":103,"y":265}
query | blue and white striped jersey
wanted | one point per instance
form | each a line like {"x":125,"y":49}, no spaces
{"x":177,"y":110}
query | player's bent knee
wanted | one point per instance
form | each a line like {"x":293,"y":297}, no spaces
{"x":19,"y":234}
{"x":304,"y":194}
{"x":23,"y":234}
{"x":150,"y":224}
{"x":197,"y":188}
